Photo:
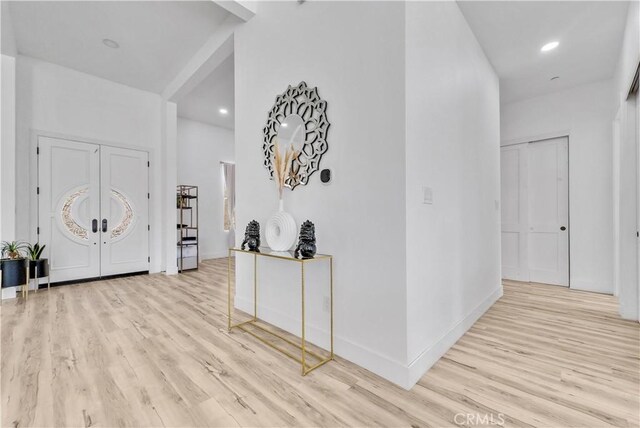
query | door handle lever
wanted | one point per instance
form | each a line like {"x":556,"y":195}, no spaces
{"x":104,"y":225}
{"x":94,"y":225}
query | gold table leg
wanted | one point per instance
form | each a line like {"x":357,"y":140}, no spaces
{"x":302,"y":301}
{"x":255,"y":287}
{"x":305,"y":369}
{"x":331,"y":286}
{"x":229,"y":289}
{"x":25,"y":290}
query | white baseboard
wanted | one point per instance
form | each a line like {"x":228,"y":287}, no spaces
{"x":628,"y":310}
{"x":595,"y":287}
{"x":388,"y":368}
{"x":394,"y":371}
{"x":313,"y":334}
{"x":216,"y":255}
{"x":418,"y":367}
{"x":9,"y":293}
{"x":172,"y":271}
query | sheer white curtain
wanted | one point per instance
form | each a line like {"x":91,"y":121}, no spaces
{"x":229,"y":178}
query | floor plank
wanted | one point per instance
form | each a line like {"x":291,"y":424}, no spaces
{"x":154,"y":351}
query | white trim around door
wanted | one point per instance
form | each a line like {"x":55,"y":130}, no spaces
{"x":92,"y":208}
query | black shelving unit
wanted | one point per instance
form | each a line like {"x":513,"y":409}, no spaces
{"x":188,"y":245}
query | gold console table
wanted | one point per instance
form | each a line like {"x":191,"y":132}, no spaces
{"x":287,"y":256}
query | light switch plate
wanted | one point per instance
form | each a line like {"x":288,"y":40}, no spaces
{"x":427,"y":195}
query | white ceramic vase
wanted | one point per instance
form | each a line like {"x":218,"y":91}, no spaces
{"x":281,"y":230}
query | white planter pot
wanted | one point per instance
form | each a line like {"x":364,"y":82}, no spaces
{"x":281,"y":230}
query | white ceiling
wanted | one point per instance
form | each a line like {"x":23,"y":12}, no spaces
{"x":156,"y":38}
{"x":512,"y":33}
{"x":206,"y":99}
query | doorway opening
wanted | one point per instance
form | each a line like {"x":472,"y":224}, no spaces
{"x":206,"y":156}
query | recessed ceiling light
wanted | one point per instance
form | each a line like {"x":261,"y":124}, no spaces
{"x":223,"y":111}
{"x":110,"y":43}
{"x":555,"y":78}
{"x":549,"y":46}
{"x":284,"y":125}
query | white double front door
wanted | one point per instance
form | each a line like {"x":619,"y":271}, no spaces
{"x":93,"y":208}
{"x":535,"y":211}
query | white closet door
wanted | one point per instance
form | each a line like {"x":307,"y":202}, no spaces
{"x":124,"y":216}
{"x":513,"y":164}
{"x":69,"y":207}
{"x":548,"y":211}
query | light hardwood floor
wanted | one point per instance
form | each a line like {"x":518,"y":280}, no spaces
{"x":154,"y":351}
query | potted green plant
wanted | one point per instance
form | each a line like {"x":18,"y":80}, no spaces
{"x":13,"y":249}
{"x":13,"y":263}
{"x":38,"y":267}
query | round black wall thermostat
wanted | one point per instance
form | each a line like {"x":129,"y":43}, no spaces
{"x":325,"y":175}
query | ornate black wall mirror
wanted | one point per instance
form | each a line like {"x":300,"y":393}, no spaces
{"x":298,"y":117}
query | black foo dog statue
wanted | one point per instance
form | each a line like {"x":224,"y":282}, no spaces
{"x":252,"y":237}
{"x":307,"y":243}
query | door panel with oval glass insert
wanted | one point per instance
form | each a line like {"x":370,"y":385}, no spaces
{"x":124,"y":186}
{"x":69,"y":202}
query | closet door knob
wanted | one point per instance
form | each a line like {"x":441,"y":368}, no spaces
{"x":94,"y":225}
{"x":563,"y":228}
{"x":104,"y":225}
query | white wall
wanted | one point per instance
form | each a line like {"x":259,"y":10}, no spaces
{"x":168,"y":182}
{"x":59,"y":100}
{"x":409,"y":278}
{"x":7,"y":37}
{"x":453,"y":147}
{"x":353,"y":52}
{"x":201,"y":148}
{"x":7,"y":132}
{"x":8,"y":148}
{"x":625,"y":166}
{"x":584,"y":113}
{"x":629,"y":53}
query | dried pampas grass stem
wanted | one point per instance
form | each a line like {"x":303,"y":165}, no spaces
{"x":282,"y":165}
